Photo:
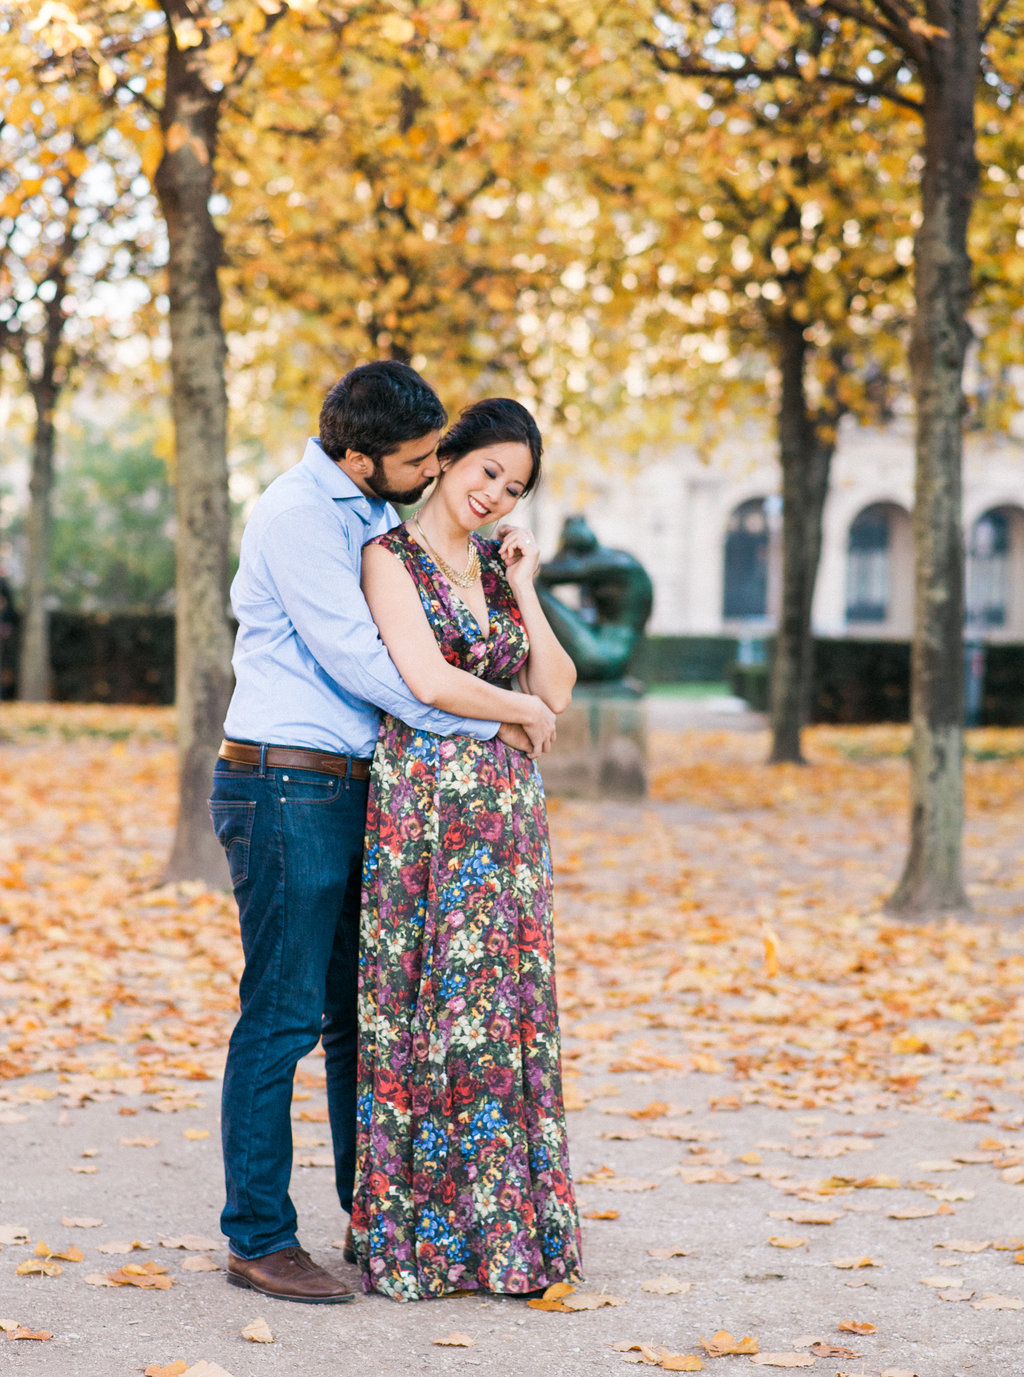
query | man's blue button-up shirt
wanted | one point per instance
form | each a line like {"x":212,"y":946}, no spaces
{"x":310,"y":668}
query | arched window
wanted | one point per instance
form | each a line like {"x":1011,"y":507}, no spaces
{"x":988,"y":570}
{"x":746,"y":562}
{"x":867,"y":566}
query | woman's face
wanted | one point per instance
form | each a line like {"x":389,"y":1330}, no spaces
{"x":485,"y":484}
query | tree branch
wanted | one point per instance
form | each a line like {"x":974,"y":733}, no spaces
{"x":989,"y":24}
{"x":684,"y":66}
{"x":897,"y":30}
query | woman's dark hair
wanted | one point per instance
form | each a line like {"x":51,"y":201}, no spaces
{"x":376,"y":408}
{"x":495,"y":421}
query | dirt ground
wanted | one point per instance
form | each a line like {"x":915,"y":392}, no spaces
{"x":815,"y":1111}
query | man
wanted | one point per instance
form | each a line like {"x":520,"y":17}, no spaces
{"x":290,"y":789}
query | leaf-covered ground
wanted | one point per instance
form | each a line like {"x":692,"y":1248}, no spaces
{"x":794,"y":1121}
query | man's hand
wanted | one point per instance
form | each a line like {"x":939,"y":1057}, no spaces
{"x":512,"y":734}
{"x":539,"y":726}
{"x":517,"y":737}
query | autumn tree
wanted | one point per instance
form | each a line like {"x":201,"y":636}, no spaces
{"x":931,"y":58}
{"x":176,"y":64}
{"x":751,"y":238}
{"x":394,"y":200}
{"x":73,"y":229}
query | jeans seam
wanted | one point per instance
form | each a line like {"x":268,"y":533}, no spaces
{"x":257,"y":1078}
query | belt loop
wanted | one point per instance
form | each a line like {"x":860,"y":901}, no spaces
{"x":263,"y":759}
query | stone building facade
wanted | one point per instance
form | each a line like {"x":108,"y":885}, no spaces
{"x":708,"y":533}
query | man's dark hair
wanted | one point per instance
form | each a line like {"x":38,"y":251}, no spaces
{"x":376,"y":408}
{"x":495,"y":421}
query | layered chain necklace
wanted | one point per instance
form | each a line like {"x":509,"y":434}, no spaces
{"x":464,"y":579}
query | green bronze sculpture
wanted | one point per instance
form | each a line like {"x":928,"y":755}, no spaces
{"x":616,"y":595}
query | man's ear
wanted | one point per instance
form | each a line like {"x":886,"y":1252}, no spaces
{"x":358,"y":462}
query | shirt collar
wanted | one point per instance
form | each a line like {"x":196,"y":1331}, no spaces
{"x":338,"y":485}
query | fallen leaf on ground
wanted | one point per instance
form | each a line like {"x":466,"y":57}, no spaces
{"x":98,"y":1279}
{"x":898,"y":1372}
{"x":919,"y":1211}
{"x":84,"y":1171}
{"x":655,"y":1355}
{"x":195,"y":1133}
{"x":591,"y":1300}
{"x":954,"y":1295}
{"x":196,"y":1243}
{"x":123,"y":1246}
{"x":788,"y":1240}
{"x":657,"y":1109}
{"x":626,"y":1184}
{"x":783,"y":1359}
{"x":552,"y":1298}
{"x":139,"y":1142}
{"x":258,"y":1332}
{"x":806,"y":1216}
{"x":940,"y":1164}
{"x":827,"y":1350}
{"x":600,"y":1214}
{"x":84,"y":1221}
{"x":22,"y":1333}
{"x":12,"y":1234}
{"x":455,"y":1341}
{"x":41,"y":1266}
{"x":953,"y":1193}
{"x":200,"y":1264}
{"x":174,"y":1369}
{"x":669,"y":1252}
{"x":723,"y":1343}
{"x":846,"y":1264}
{"x":68,"y":1255}
{"x":964,"y":1245}
{"x":941,"y":1282}
{"x":149,"y":1275}
{"x":205,"y":1369}
{"x":666,"y":1285}
{"x":857,"y":1327}
{"x":990,"y":1301}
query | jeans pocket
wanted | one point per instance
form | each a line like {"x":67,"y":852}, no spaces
{"x":232,"y":822}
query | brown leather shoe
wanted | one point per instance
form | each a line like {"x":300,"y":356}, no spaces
{"x":289,"y":1274}
{"x":349,"y":1250}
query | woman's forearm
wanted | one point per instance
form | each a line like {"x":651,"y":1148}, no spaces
{"x":549,"y":670}
{"x":465,"y":695}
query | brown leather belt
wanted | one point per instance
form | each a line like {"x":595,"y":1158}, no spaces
{"x":296,"y":757}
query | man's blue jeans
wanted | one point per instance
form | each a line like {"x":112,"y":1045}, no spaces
{"x":294,"y":843}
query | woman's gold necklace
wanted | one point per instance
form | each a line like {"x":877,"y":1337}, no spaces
{"x":468,"y":576}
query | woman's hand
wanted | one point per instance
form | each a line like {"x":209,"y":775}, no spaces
{"x":538,"y":724}
{"x":521,"y":554}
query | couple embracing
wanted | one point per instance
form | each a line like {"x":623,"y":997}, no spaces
{"x":378,"y":799}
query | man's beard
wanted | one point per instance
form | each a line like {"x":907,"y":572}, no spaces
{"x":379,"y":483}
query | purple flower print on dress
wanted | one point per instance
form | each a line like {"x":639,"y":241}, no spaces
{"x":499,"y":1080}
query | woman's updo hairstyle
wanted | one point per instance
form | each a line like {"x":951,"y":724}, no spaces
{"x":495,"y":421}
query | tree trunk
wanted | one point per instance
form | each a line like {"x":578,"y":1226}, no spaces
{"x":184,"y":184}
{"x":932,"y":880}
{"x":34,"y":661}
{"x":805,"y":450}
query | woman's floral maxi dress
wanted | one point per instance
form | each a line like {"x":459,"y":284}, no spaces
{"x":462,"y":1178}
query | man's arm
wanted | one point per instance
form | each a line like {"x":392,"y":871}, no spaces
{"x":315,"y":576}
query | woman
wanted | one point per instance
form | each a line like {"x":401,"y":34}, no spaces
{"x":462,"y":1180}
